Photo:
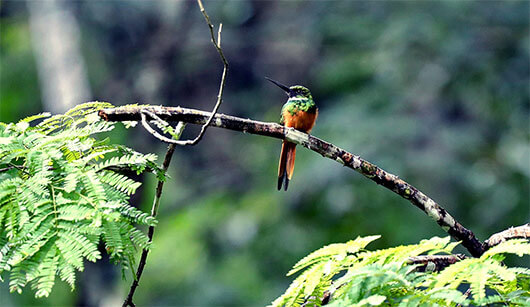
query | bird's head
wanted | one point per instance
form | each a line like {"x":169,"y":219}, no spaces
{"x":295,"y":91}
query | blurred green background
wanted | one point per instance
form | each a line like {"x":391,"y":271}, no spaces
{"x":435,"y":92}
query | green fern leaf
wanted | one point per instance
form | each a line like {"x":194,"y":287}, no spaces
{"x":45,"y":279}
{"x":119,"y":182}
{"x":113,"y":239}
{"x":60,"y":196}
{"x":519,"y":247}
{"x":67,"y":273}
{"x":17,"y":280}
{"x":338,"y":249}
{"x":35,"y":117}
{"x":137,"y":215}
{"x":139,"y":238}
{"x":93,"y":187}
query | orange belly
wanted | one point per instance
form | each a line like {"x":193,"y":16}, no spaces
{"x":300,"y":120}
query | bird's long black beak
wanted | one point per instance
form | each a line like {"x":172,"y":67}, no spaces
{"x":283,"y":87}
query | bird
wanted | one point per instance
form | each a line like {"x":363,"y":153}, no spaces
{"x":299,"y":112}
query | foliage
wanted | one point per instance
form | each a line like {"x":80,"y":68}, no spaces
{"x":357,"y":277}
{"x":61,"y":192}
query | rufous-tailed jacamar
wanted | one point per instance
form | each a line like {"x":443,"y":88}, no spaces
{"x":299,"y":112}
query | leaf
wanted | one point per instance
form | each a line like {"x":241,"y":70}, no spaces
{"x":35,"y":117}
{"x":374,"y":300}
{"x":337,"y":249}
{"x":518,"y":247}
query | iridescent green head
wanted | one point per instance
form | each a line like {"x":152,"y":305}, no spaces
{"x":299,"y":91}
{"x":295,"y":91}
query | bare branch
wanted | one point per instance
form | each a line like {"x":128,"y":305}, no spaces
{"x":520,"y":232}
{"x":369,"y":170}
{"x":156,"y":201}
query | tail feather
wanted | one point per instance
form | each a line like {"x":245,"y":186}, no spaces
{"x":286,"y":166}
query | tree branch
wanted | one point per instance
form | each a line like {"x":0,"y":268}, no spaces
{"x":434,"y":263}
{"x":369,"y":170}
{"x":519,"y":232}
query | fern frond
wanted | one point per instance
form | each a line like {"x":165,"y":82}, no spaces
{"x":99,"y":154}
{"x":35,"y":188}
{"x":93,"y":187}
{"x":74,"y":247}
{"x":448,"y":296}
{"x":9,"y":187}
{"x":113,"y":239}
{"x":60,"y":197}
{"x":88,"y":248}
{"x":133,"y":160}
{"x":76,"y":212}
{"x":35,"y":117}
{"x":293,"y":296}
{"x":139,"y":238}
{"x":88,"y":107}
{"x":338,"y":250}
{"x":383,"y":277}
{"x":46,"y":280}
{"x":32,"y":245}
{"x":42,"y":277}
{"x":448,"y":277}
{"x":5,"y":253}
{"x":518,"y":247}
{"x":478,"y":283}
{"x":67,"y":273}
{"x":70,"y":182}
{"x":12,"y":221}
{"x":137,"y":215}
{"x":119,"y":182}
{"x":17,"y":280}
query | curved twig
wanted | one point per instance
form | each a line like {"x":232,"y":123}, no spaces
{"x":145,"y":124}
{"x":171,"y":148}
{"x":217,"y":45}
{"x":326,"y":149}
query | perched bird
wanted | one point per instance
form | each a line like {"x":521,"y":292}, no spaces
{"x":299,"y":112}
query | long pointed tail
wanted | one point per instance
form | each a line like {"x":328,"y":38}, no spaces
{"x":286,"y":167}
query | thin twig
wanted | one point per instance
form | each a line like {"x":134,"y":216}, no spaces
{"x":171,"y":149}
{"x":18,"y":167}
{"x":151,"y":231}
{"x":466,"y":294}
{"x":6,"y":168}
{"x":217,"y":45}
{"x":153,"y":131}
{"x":326,"y":149}
{"x":434,"y":263}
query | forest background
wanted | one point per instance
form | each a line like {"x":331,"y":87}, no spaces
{"x":435,"y":92}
